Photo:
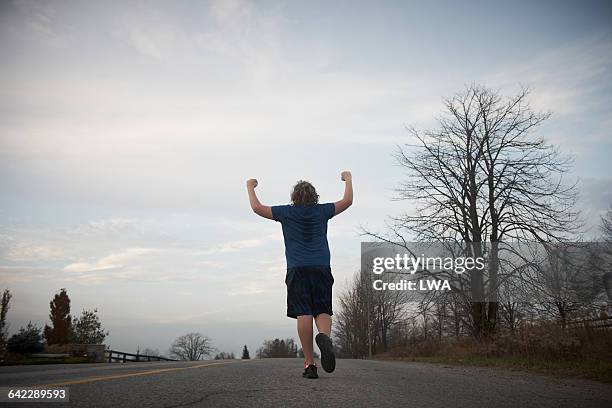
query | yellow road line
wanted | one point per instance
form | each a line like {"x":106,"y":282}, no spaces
{"x":134,"y":374}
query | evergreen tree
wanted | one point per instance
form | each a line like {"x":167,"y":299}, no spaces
{"x":61,"y":320}
{"x":28,"y":340}
{"x":245,"y":353}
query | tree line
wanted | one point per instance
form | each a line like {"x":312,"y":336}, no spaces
{"x":195,"y":346}
{"x":85,"y":329}
{"x":482,"y":180}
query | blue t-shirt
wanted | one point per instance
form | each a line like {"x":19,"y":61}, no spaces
{"x":305,"y":233}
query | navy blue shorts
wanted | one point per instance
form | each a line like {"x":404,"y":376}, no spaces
{"x":309,"y":290}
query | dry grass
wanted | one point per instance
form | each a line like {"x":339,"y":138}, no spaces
{"x":545,"y":349}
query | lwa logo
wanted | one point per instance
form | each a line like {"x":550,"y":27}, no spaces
{"x":420,"y":285}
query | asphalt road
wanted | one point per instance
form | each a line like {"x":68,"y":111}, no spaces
{"x":278,"y":383}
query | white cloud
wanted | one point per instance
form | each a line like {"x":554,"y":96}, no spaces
{"x":113,"y":225}
{"x":573,"y":82}
{"x":88,"y":267}
{"x":23,"y":251}
{"x":10,"y":274}
{"x":257,"y":283}
{"x":232,"y":246}
{"x":249,"y":37}
{"x":113,"y":261}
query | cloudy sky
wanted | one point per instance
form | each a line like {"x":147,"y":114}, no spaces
{"x":128,"y":129}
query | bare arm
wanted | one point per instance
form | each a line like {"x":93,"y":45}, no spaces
{"x":259,"y":209}
{"x":347,"y":199}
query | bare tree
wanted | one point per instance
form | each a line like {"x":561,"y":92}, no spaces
{"x":4,"y":307}
{"x":482,"y":177}
{"x":606,"y":229}
{"x":368,"y":318}
{"x":568,"y":282}
{"x":606,"y":226}
{"x":352,"y":320}
{"x":225,"y":356}
{"x":191,"y":347}
{"x":512,"y":304}
{"x":150,"y":352}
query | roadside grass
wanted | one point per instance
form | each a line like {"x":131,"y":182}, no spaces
{"x":593,"y":370}
{"x":544,"y":348}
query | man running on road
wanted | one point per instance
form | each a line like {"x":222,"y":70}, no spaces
{"x":309,"y":279}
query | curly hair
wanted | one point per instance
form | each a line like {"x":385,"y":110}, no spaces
{"x":304,"y":194}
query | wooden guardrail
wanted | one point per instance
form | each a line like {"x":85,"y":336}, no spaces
{"x":123,"y":357}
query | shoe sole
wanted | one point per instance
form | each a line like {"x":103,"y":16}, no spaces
{"x":328,"y":359}
{"x":310,"y":377}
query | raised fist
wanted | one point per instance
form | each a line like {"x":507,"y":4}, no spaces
{"x":251,"y":183}
{"x":346,"y":176}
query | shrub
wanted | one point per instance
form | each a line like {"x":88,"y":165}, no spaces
{"x":28,"y":340}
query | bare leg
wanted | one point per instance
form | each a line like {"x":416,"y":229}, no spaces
{"x":324,"y":323}
{"x":304,"y":327}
